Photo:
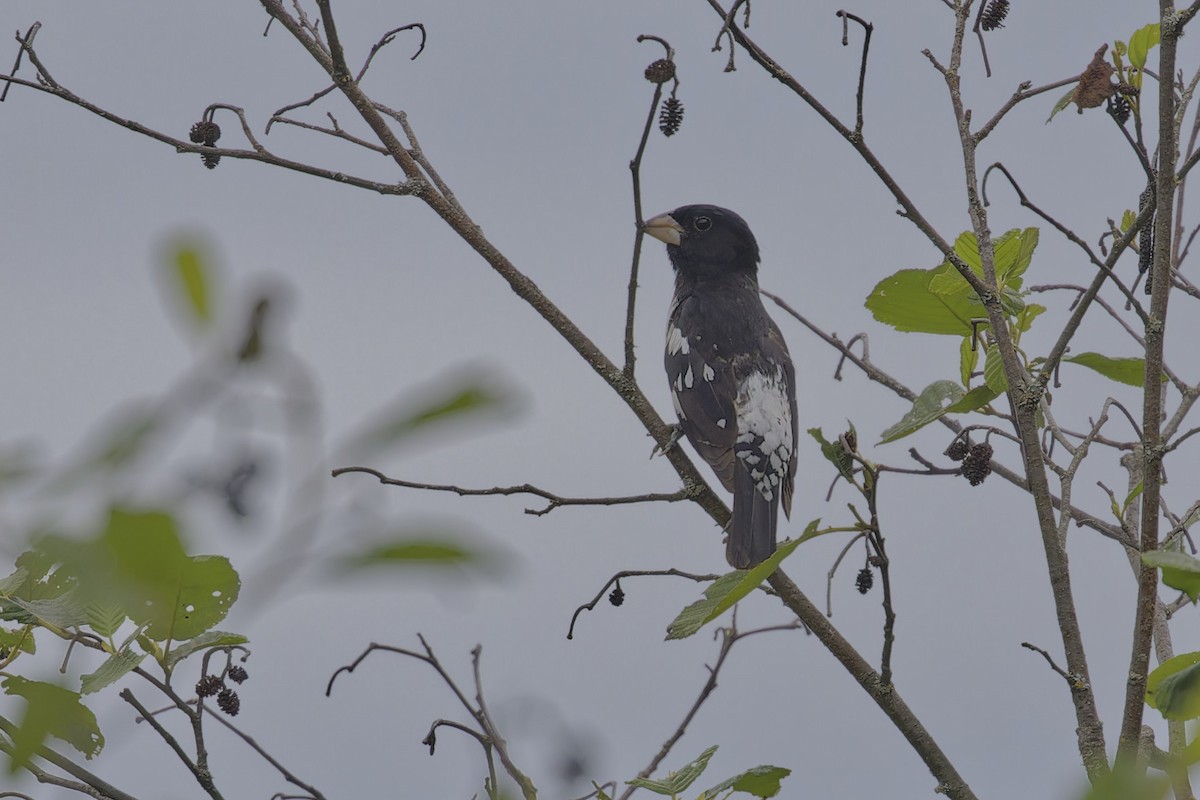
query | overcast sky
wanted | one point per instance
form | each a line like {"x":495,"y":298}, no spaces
{"x":531,"y":112}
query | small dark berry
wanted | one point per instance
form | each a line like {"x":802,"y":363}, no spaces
{"x":430,"y":741}
{"x":671,"y":117}
{"x":208,"y":686}
{"x":660,"y":71}
{"x":617,"y":596}
{"x":958,"y":450}
{"x":211,"y":161}
{"x":865,"y":580}
{"x":978,"y":463}
{"x":994,"y":14}
{"x":237,"y":674}
{"x":229,"y":702}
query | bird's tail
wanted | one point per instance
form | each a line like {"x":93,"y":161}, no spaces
{"x":752,"y":531}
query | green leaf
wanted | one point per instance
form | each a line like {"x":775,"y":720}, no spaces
{"x":1011,"y":300}
{"x":1013,"y":254}
{"x":203,"y":642}
{"x":192,"y":273}
{"x":64,"y":611}
{"x":930,"y":405}
{"x":1143,"y":40}
{"x":1131,"y":371}
{"x":676,"y":782}
{"x":993,"y":370}
{"x":50,"y":711}
{"x":904,"y":301}
{"x":1062,"y":103}
{"x":600,"y":793}
{"x":975,"y":399}
{"x":105,"y":619}
{"x":968,"y":357}
{"x":835,"y":453}
{"x":1028,"y":314}
{"x":1179,"y":570}
{"x":1134,"y":493}
{"x":115,"y":667}
{"x":1127,"y":220}
{"x":21,"y":638}
{"x":725,"y":591}
{"x":760,"y":781}
{"x":1174,"y":687}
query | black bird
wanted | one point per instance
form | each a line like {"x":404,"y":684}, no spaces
{"x":732,"y":382}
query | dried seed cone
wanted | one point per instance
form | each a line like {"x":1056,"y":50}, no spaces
{"x":978,"y":464}
{"x":958,"y":450}
{"x":864,"y":580}
{"x":238,"y":674}
{"x":229,"y":702}
{"x":208,"y":686}
{"x":671,"y":117}
{"x":994,"y":14}
{"x":205,"y":132}
{"x":660,"y":71}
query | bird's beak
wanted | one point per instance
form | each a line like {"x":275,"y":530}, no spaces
{"x":664,"y":228}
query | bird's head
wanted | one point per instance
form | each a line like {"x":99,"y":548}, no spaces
{"x":706,"y":241}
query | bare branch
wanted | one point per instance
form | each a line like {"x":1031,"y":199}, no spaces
{"x":554,"y":501}
{"x":634,"y":573}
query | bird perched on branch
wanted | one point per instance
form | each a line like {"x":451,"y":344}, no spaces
{"x":732,"y":382}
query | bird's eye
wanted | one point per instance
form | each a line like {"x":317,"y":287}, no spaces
{"x":702,"y":223}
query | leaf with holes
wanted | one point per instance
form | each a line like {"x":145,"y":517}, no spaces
{"x":933,"y":402}
{"x":50,"y":711}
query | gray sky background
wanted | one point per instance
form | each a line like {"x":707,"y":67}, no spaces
{"x":532,"y":112}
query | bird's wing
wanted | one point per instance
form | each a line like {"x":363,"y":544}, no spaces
{"x":778,"y":350}
{"x":703,"y":390}
{"x":766,"y":419}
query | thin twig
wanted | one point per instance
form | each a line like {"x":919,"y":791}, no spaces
{"x":553,"y":500}
{"x":634,"y":573}
{"x":862,"y":69}
{"x":256,"y":747}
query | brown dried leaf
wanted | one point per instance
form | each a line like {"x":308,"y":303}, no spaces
{"x":1095,"y":85}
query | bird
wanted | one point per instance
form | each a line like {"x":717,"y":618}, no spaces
{"x":731,"y":377}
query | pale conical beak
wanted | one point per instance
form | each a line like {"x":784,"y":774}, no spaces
{"x":664,"y":228}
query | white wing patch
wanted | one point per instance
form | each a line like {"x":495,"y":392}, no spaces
{"x":677,"y":342}
{"x":764,"y":420}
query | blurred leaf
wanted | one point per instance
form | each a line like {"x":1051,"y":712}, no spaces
{"x":423,"y":551}
{"x":1129,"y":783}
{"x":835,"y":453}
{"x":121,"y":440}
{"x":115,"y":667}
{"x":193,"y":275}
{"x":993,"y":370}
{"x":1174,"y":687}
{"x":760,"y":781}
{"x":1140,"y":44}
{"x":725,"y":591}
{"x":17,"y":463}
{"x":50,"y":711}
{"x":1179,"y":570}
{"x":678,"y":781}
{"x":64,"y":611}
{"x":473,"y":397}
{"x":1062,"y":103}
{"x":933,"y":402}
{"x":1131,"y":371}
{"x":600,"y":793}
{"x":203,"y":642}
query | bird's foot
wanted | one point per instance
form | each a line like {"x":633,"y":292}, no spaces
{"x":676,"y":435}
